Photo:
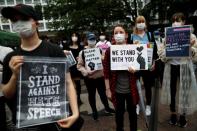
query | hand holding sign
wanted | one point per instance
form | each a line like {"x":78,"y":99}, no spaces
{"x":91,"y":72}
{"x":131,"y":69}
{"x":15,"y":63}
{"x":67,"y":122}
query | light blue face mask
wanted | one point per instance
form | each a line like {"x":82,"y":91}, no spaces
{"x":23,"y":28}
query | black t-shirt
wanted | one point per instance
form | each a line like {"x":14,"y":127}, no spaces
{"x":45,"y":49}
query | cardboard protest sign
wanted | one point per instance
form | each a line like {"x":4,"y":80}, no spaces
{"x":124,"y":56}
{"x":70,"y":58}
{"x":158,"y":39}
{"x":150,"y":47}
{"x":41,"y":93}
{"x":93,"y":59}
{"x":178,"y":41}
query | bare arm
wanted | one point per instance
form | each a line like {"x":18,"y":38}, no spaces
{"x":9,"y":89}
{"x":67,"y":122}
{"x":108,"y":91}
{"x":81,"y":65}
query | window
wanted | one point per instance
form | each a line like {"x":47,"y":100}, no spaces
{"x":10,"y":2}
{"x":1,"y":7}
{"x":48,"y":25}
{"x":6,"y":27}
{"x":44,"y":1}
{"x":28,"y":1}
{"x":37,"y":2}
{"x":4,"y":20}
{"x":2,"y":2}
{"x":41,"y":26}
{"x":19,"y":1}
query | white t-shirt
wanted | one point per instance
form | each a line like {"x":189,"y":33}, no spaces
{"x":103,"y":45}
{"x":4,"y":51}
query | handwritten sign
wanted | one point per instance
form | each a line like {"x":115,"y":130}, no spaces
{"x":178,"y":41}
{"x":41,"y":94}
{"x":124,"y":56}
{"x":93,"y":59}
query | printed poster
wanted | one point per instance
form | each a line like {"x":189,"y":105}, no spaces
{"x":124,"y":56}
{"x":150,"y":47}
{"x":41,"y":93}
{"x":71,"y":60}
{"x":93,"y":59}
{"x":178,"y":41}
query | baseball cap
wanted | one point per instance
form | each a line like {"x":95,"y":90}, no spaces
{"x":91,"y":36}
{"x":22,"y":9}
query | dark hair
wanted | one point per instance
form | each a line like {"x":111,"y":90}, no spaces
{"x":119,"y":25}
{"x":78,"y":36}
{"x":177,"y":17}
{"x":102,"y":33}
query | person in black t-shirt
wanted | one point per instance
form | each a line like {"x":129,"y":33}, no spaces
{"x":75,"y":47}
{"x":25,"y":22}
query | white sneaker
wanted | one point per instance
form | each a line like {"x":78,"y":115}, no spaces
{"x":137,"y":109}
{"x":148,"y":110}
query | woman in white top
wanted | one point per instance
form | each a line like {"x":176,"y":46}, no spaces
{"x":182,"y":69}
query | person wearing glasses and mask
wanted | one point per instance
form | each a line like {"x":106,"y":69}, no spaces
{"x":25,"y":22}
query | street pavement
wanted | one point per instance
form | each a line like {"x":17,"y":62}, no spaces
{"x":107,"y":123}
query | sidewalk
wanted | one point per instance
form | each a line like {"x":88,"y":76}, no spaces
{"x":107,"y":123}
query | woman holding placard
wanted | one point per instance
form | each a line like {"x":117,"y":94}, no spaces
{"x":179,"y":68}
{"x":90,"y":65}
{"x":121,"y":85}
{"x":142,"y":36}
{"x":74,"y":47}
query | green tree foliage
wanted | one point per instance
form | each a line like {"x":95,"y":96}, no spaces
{"x":81,"y":15}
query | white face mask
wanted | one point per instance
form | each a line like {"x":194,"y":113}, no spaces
{"x":141,"y":26}
{"x":74,"y":39}
{"x":176,"y":24}
{"x":102,"y":37}
{"x":91,"y":43}
{"x":23,"y":28}
{"x":119,"y":38}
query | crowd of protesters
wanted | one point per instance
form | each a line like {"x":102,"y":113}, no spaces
{"x":120,"y":87}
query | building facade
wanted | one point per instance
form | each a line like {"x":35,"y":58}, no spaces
{"x":6,"y":24}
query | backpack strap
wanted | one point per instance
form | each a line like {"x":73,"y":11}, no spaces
{"x":149,"y":36}
{"x":83,"y":56}
{"x":130,"y":39}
